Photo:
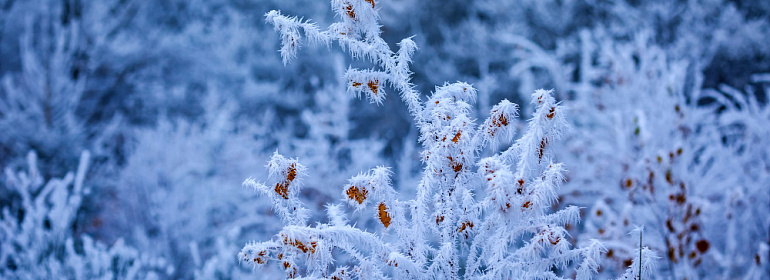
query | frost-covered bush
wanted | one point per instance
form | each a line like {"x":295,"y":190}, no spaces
{"x":656,"y":151}
{"x":465,"y":205}
{"x":654,"y":154}
{"x":37,"y":235}
{"x":655,"y":147}
{"x":741,"y":225}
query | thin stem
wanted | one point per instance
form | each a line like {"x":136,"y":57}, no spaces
{"x":640,"y":254}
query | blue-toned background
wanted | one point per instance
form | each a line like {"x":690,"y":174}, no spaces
{"x":127,"y":126}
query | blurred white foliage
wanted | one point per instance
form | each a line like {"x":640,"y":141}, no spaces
{"x":38,"y":241}
{"x":655,"y":148}
{"x":663,"y":159}
{"x":174,"y":194}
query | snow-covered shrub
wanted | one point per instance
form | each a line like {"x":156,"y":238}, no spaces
{"x":652,"y":153}
{"x":636,"y":148}
{"x":37,"y":238}
{"x":465,"y":205}
{"x":634,"y":72}
{"x":742,"y":226}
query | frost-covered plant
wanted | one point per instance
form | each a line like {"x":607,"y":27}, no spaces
{"x":464,"y":206}
{"x":37,"y":237}
{"x":645,"y":150}
{"x":656,"y":151}
{"x":744,"y":228}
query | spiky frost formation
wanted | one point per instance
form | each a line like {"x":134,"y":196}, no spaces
{"x":472,"y":217}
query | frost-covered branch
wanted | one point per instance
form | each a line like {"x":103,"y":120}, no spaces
{"x":472,"y":217}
